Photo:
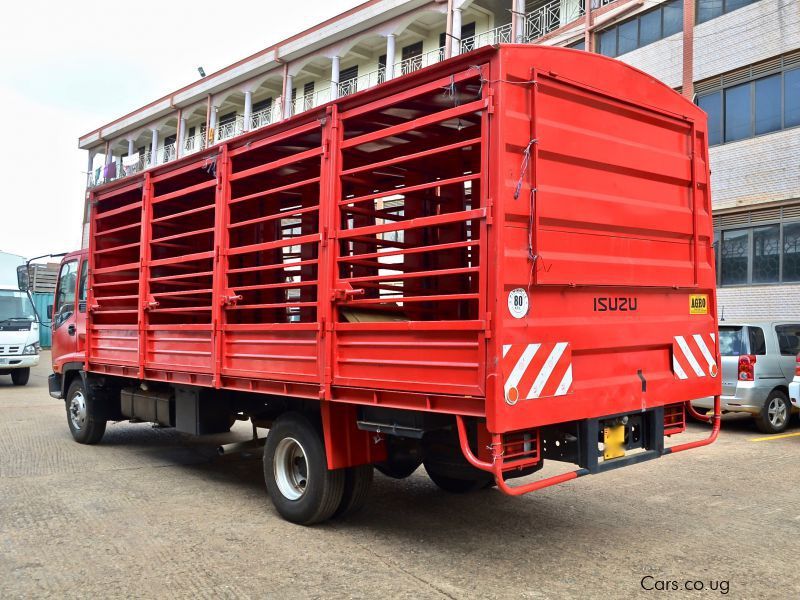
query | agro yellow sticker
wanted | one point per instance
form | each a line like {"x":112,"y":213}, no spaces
{"x":698,"y":304}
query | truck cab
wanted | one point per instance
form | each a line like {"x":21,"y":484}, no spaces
{"x":69,"y":322}
{"x":19,"y":323}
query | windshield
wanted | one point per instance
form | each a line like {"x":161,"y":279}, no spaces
{"x":730,"y":341}
{"x":16,"y":305}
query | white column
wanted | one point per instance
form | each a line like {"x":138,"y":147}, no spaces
{"x":335,"y":77}
{"x":182,"y":129}
{"x":90,"y":168}
{"x":519,"y":21}
{"x":211,"y":132}
{"x":390,"y":40}
{"x":456,"y":40}
{"x":131,"y":147}
{"x":248,"y":110}
{"x":154,"y":148}
{"x":287,"y":100}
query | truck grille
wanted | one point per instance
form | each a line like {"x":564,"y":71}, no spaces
{"x":10,"y":350}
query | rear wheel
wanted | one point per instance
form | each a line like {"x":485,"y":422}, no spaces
{"x":296,"y":473}
{"x":775,"y":415}
{"x":20,"y":376}
{"x":82,"y":415}
{"x":357,"y":483}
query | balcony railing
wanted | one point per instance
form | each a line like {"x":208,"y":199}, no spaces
{"x":415,"y":63}
{"x":551,"y":16}
{"x":537,"y":23}
{"x":266,"y":116}
{"x":195,"y":143}
{"x":498,"y":35}
{"x":225,"y":131}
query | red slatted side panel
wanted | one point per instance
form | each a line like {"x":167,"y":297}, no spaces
{"x":409,"y":309}
{"x":271,"y":242}
{"x":115,"y":254}
{"x":178,"y":332}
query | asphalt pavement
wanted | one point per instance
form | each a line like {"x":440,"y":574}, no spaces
{"x":154,"y":513}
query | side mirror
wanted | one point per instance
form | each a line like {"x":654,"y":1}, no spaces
{"x":23,"y":278}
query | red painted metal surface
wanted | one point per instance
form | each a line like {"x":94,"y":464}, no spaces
{"x":364,"y":252}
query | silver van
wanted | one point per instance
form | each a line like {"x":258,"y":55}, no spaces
{"x":758,"y":364}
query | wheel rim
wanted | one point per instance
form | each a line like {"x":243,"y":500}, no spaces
{"x":776,"y":411}
{"x":291,"y":468}
{"x":77,"y":410}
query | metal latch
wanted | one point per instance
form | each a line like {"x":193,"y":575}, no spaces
{"x":230,"y":298}
{"x":345,"y":294}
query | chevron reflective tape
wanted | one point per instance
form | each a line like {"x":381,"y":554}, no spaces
{"x":693,"y":356}
{"x":533,"y":371}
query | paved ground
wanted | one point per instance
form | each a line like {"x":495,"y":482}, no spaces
{"x":151,"y":512}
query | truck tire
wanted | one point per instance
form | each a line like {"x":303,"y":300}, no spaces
{"x":84,"y":424}
{"x":458,"y":485}
{"x":300,"y":485}
{"x":357,"y":483}
{"x":21,"y":376}
{"x":776,"y":413}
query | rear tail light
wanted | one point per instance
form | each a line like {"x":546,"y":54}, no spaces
{"x":747,"y":365}
{"x":797,"y":366}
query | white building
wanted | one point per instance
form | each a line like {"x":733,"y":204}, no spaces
{"x":739,"y":59}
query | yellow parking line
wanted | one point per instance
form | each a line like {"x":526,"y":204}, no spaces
{"x":775,"y":437}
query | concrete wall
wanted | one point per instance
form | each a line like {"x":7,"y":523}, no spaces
{"x":759,"y":302}
{"x":745,"y":36}
{"x":662,"y":59}
{"x":757,"y":170}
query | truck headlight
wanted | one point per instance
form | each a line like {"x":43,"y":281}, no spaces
{"x":32,"y":348}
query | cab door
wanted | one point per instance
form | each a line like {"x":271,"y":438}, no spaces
{"x":64,"y":318}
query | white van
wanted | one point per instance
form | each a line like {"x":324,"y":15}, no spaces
{"x":19,"y":323}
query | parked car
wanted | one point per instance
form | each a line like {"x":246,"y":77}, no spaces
{"x":759,"y":362}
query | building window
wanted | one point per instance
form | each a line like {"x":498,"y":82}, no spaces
{"x":643,"y":29}
{"x":760,"y":254}
{"x":579,"y":45}
{"x":756,"y":107}
{"x":711,"y":9}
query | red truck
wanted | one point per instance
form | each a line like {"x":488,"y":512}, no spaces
{"x":498,"y":260}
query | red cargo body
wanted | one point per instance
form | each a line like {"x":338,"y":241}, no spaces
{"x":521,"y":234}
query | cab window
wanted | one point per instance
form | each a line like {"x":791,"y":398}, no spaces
{"x":65,"y":296}
{"x":82,"y":287}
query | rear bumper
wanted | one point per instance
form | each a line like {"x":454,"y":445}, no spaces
{"x":749,"y":398}
{"x":587,"y":453}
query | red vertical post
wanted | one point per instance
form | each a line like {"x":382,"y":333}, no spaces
{"x":220,"y":265}
{"x":90,"y":276}
{"x":144,"y":268}
{"x":327,"y":266}
{"x":486,"y":225}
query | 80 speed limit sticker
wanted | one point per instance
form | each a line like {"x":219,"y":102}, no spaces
{"x":518,"y":303}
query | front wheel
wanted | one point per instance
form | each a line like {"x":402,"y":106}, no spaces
{"x":774,"y":417}
{"x":84,"y":424}
{"x":300,"y":485}
{"x":20,"y":376}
